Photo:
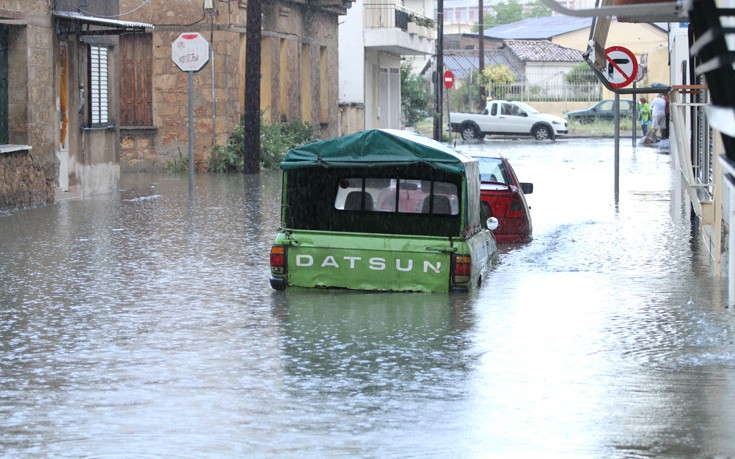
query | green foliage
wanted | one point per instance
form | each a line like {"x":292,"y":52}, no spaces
{"x":421,"y":20}
{"x":275,"y":140}
{"x":467,"y":97}
{"x":416,"y":96}
{"x":580,"y":73}
{"x":536,"y":10}
{"x":177,"y":165}
{"x":506,"y":13}
{"x":498,"y":77}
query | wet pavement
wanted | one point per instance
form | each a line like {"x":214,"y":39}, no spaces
{"x":142,"y":324}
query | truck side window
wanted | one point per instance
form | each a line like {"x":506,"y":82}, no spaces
{"x":494,"y":110}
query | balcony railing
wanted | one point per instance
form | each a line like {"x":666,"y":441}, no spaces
{"x":388,"y":15}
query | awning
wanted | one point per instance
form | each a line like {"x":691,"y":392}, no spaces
{"x":72,"y":23}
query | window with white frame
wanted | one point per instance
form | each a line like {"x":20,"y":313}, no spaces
{"x":98,"y":86}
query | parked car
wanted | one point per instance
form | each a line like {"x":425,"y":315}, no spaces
{"x":505,"y":195}
{"x":603,"y":110}
{"x":502,"y":117}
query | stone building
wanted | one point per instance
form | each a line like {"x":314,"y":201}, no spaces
{"x":58,"y":110}
{"x":299,"y":74}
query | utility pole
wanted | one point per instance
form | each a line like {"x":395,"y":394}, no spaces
{"x":251,"y":117}
{"x":481,"y":35}
{"x":438,"y":80}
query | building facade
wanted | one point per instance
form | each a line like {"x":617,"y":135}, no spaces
{"x":58,"y":112}
{"x":298,"y":66}
{"x":374,"y":37}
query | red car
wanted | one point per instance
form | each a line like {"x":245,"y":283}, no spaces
{"x":505,"y":195}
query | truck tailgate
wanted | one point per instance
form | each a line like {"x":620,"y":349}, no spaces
{"x":369,"y":261}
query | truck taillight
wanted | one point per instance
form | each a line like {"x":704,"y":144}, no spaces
{"x":278,"y":259}
{"x":462,"y":269}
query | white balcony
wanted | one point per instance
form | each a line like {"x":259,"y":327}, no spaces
{"x":397,"y":30}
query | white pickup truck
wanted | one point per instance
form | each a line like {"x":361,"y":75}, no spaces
{"x":508,"y":118}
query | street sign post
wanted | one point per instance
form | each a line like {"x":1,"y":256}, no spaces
{"x":448,"y":79}
{"x":190,"y":52}
{"x":622,"y":66}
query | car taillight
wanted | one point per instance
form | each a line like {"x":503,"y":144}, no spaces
{"x":278,"y":259}
{"x":516,"y":208}
{"x":462,"y":269}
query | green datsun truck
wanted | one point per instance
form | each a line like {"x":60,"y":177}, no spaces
{"x":381,"y":210}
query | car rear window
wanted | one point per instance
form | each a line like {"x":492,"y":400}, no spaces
{"x":493,"y":170}
{"x":404,"y":196}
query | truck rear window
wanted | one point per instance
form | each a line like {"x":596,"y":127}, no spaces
{"x":403,"y":196}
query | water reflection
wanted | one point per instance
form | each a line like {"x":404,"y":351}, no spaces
{"x":143,"y":324}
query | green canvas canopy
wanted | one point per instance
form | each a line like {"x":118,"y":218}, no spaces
{"x":377,"y":147}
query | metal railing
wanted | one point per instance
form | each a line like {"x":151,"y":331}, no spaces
{"x":547,"y":92}
{"x":388,"y":15}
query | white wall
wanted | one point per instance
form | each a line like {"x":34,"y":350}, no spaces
{"x":352,"y":56}
{"x":374,"y":103}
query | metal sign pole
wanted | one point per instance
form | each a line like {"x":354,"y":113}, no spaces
{"x":191,"y":132}
{"x":190,"y":52}
{"x":617,"y":147}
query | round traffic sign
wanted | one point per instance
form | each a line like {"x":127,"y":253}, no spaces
{"x":448,"y":79}
{"x":190,"y":52}
{"x":622,"y":66}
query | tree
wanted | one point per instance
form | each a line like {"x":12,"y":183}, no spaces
{"x":415,"y":96}
{"x":580,"y":73}
{"x":469,"y":95}
{"x":498,"y":77}
{"x":506,"y":13}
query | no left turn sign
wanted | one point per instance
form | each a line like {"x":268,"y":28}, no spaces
{"x":622,"y":66}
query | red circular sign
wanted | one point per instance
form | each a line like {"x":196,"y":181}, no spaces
{"x":448,"y":79}
{"x":622,"y":66}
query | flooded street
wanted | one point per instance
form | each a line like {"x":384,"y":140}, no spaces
{"x":143,"y":324}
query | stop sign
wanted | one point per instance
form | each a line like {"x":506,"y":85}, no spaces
{"x":448,"y":79}
{"x":190,"y":52}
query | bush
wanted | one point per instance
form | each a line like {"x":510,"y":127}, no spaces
{"x":275,"y":140}
{"x":416,"y":96}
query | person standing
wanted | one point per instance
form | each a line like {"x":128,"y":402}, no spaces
{"x":668,"y":116}
{"x":644,"y":114}
{"x":658,"y":110}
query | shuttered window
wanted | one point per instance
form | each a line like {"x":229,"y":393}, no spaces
{"x":136,"y":87}
{"x":98,"y":86}
{"x":4,"y":137}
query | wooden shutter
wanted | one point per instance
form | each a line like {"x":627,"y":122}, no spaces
{"x":136,"y":87}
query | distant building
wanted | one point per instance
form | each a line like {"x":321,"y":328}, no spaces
{"x":373,"y":38}
{"x":649,"y":42}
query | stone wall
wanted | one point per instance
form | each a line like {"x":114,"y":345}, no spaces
{"x":24,"y":182}
{"x":28,"y":177}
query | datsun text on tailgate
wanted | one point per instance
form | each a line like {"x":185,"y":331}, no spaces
{"x":381,"y":210}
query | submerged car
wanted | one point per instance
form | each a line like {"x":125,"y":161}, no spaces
{"x":603,"y":110}
{"x":381,"y":210}
{"x":505,"y":194}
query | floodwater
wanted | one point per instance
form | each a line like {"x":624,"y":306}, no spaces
{"x":142,"y":324}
